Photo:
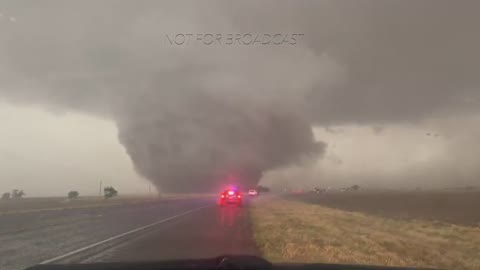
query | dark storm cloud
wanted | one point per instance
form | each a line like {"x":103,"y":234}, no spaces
{"x":188,"y":116}
{"x":403,"y":60}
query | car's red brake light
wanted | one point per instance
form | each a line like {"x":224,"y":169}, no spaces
{"x":239,"y":196}
{"x":231,"y":192}
{"x":222,"y":196}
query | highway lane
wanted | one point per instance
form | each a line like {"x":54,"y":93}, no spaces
{"x":30,"y":238}
{"x":209,"y":232}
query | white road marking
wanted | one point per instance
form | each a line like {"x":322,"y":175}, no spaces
{"x":118,"y":236}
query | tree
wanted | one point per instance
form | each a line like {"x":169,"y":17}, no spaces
{"x":355,"y":187}
{"x":16,"y":194}
{"x":73,"y":194}
{"x":110,"y":192}
{"x":6,"y":196}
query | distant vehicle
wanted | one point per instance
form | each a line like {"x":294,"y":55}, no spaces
{"x":230,"y":196}
{"x":252,"y":192}
{"x":297,"y":191}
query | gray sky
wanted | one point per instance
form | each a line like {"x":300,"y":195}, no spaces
{"x":47,"y":153}
{"x":392,"y":88}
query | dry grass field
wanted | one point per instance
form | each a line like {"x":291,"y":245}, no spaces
{"x":58,"y":203}
{"x":289,"y":230}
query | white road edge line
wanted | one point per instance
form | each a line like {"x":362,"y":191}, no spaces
{"x":119,"y":236}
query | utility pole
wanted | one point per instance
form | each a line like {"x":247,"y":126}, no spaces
{"x":100,"y":190}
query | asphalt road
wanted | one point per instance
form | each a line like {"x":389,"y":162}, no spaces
{"x":189,"y":228}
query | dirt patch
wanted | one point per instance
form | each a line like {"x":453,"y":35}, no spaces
{"x":457,"y":207}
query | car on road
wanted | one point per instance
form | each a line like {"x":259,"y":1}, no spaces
{"x":252,"y":192}
{"x":230,"y":197}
